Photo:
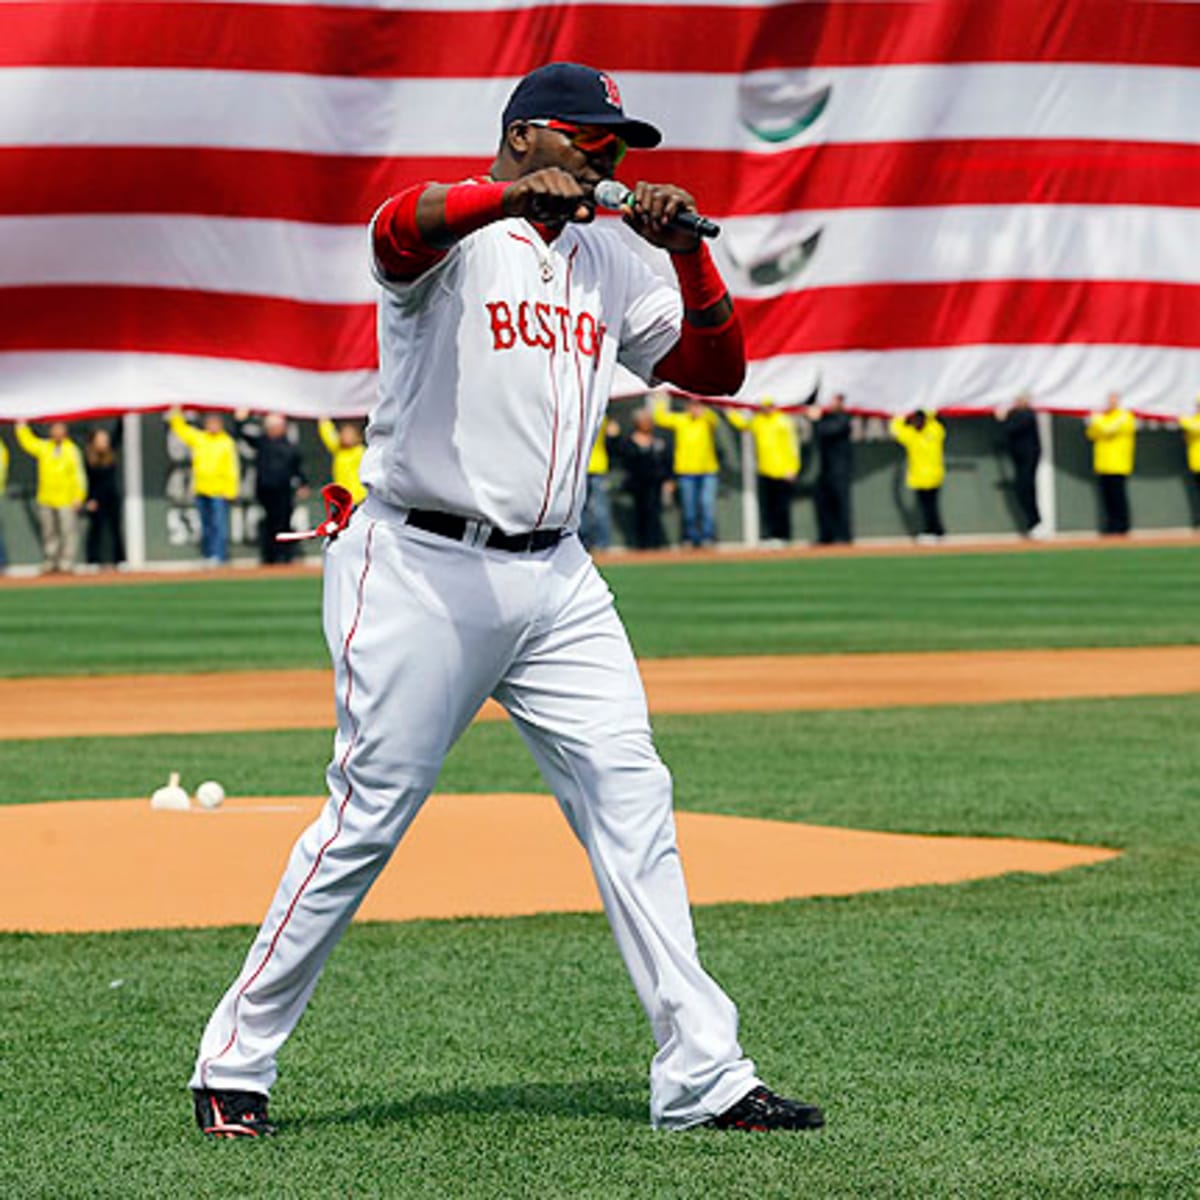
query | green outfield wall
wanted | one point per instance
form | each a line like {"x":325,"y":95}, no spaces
{"x":977,"y":497}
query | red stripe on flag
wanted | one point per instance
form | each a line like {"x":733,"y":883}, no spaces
{"x":893,"y":316}
{"x":315,"y":337}
{"x":942,"y":172}
{"x":346,"y":190}
{"x":326,"y":189}
{"x":870,"y":317}
{"x":314,"y":40}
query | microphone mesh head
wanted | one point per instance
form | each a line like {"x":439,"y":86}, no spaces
{"x":611,"y":194}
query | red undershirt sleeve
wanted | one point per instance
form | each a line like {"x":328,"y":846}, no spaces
{"x":708,"y":360}
{"x":401,"y":251}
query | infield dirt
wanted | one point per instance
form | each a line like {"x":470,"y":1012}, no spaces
{"x":219,"y":867}
{"x":115,"y":705}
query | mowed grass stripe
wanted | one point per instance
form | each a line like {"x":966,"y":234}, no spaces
{"x":1139,"y":595}
{"x":1120,"y":772}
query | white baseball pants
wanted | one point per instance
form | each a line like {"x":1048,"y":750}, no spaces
{"x":422,"y":630}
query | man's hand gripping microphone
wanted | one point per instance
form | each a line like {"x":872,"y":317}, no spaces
{"x":616,"y":196}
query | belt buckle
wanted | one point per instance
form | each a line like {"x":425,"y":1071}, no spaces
{"x":477,"y":533}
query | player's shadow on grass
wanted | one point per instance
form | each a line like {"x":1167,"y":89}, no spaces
{"x":569,"y":1098}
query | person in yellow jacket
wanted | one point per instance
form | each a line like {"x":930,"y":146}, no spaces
{"x":215,"y":479}
{"x":61,"y":491}
{"x":696,"y":466}
{"x":923,"y":437}
{"x":345,"y":445}
{"x":777,"y":463}
{"x":3,"y":488}
{"x":1112,"y":434}
{"x":1191,"y":438}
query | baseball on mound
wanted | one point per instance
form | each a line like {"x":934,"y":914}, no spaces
{"x":210,"y":794}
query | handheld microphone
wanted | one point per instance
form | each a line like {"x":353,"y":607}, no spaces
{"x":611,"y":194}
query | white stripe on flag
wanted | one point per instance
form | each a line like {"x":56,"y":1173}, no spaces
{"x":328,"y":263}
{"x":908,"y":245}
{"x":1155,"y":380}
{"x":288,"y":259}
{"x":322,"y":115}
{"x":919,"y":103}
{"x":51,"y":383}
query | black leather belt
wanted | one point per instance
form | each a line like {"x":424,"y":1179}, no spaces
{"x":451,"y":526}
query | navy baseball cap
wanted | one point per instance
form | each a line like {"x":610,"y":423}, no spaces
{"x":565,"y":91}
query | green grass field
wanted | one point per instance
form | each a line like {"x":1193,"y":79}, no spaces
{"x":1029,"y":1035}
{"x":1134,"y":596}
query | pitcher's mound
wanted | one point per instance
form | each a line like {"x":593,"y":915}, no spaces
{"x":98,"y":865}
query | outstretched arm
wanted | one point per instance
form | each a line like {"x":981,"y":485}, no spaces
{"x":186,"y":433}
{"x":28,"y":440}
{"x":329,"y":435}
{"x":407,"y":245}
{"x":415,"y":229}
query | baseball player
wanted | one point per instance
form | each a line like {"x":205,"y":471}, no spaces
{"x":502,"y":314}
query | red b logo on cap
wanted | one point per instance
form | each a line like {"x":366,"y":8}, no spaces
{"x":610,"y":91}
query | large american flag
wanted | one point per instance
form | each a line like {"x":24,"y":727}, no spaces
{"x":938,"y":202}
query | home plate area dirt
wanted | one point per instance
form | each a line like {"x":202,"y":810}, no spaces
{"x":96,"y":865}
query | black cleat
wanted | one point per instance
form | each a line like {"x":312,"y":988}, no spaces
{"x":232,"y":1114}
{"x":761,"y":1110}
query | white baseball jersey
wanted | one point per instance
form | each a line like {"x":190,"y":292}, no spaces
{"x":501,"y":429}
{"x":422,"y":628}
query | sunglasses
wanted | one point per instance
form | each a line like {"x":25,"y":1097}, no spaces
{"x":591,"y":139}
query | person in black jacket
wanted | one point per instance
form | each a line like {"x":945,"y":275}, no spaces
{"x":1025,"y":449}
{"x":831,"y":432}
{"x":103,"y":504}
{"x":279,"y":480}
{"x":646,"y":456}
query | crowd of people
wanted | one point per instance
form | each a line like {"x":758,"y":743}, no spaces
{"x":280,"y":479}
{"x":665,"y":457}
{"x":1112,"y":432}
{"x":70,"y":483}
{"x":687,"y":468}
{"x":74,"y":484}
